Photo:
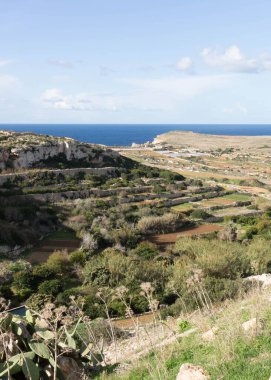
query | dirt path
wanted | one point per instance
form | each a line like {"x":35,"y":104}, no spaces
{"x":170,"y":238}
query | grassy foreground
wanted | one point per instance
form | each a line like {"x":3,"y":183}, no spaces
{"x":232,"y":354}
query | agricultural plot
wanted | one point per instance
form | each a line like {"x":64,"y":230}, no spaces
{"x":58,"y":241}
{"x":224,"y":200}
{"x":184,"y":207}
{"x":236,"y":211}
{"x":170,"y":238}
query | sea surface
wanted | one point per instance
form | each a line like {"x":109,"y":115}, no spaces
{"x":126,"y":134}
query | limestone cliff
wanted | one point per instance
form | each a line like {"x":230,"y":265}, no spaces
{"x":25,"y":150}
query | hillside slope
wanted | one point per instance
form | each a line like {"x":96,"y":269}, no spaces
{"x":230,"y":342}
{"x":28,"y":150}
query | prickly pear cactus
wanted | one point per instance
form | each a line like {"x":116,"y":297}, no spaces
{"x":41,"y":346}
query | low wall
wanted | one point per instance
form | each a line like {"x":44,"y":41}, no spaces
{"x":71,"y":172}
{"x":197,"y":198}
{"x":78,"y":194}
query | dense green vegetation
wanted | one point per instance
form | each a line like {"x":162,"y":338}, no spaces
{"x":115,"y":249}
{"x":210,"y":264}
{"x":118,"y":271}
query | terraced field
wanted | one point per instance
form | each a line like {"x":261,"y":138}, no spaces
{"x":236,"y":211}
{"x":216,"y":202}
{"x":170,"y":238}
{"x":59,"y":241}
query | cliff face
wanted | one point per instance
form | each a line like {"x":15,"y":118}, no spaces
{"x":27,"y":150}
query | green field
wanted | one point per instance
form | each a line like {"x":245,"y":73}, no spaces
{"x":184,"y":207}
{"x":61,"y":235}
{"x":238,"y":197}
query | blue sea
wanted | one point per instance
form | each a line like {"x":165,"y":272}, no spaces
{"x":126,"y":134}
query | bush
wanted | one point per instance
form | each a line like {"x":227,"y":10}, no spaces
{"x":44,"y":272}
{"x":139,"y":304}
{"x":200,"y":214}
{"x":24,"y":284}
{"x":145,"y":250}
{"x":50,"y":287}
{"x":59,"y":262}
{"x":64,"y":298}
{"x":158,"y":224}
{"x":126,"y":237}
{"x":38,"y":301}
{"x":78,"y":257}
{"x":184,"y":325}
{"x":117,"y":308}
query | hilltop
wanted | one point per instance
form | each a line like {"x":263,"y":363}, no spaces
{"x":205,"y":141}
{"x":30,"y":150}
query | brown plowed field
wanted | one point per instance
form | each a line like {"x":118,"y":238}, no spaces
{"x":165,"y":239}
{"x":217,"y":202}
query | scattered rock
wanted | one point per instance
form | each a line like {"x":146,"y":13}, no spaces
{"x":262,"y":279}
{"x":192,"y":372}
{"x":209,"y":335}
{"x":252,"y":326}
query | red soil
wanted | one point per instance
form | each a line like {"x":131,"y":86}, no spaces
{"x":164,"y":239}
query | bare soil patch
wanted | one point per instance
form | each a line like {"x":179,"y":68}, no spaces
{"x":170,"y":238}
{"x":216,"y":202}
{"x":128,"y":323}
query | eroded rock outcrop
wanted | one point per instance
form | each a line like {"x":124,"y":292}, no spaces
{"x":252,"y":327}
{"x":25,"y":150}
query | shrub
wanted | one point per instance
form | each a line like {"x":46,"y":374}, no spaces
{"x":145,"y":250}
{"x":24,"y":284}
{"x":126,"y":237}
{"x":158,"y":224}
{"x":44,"y":272}
{"x":50,"y":287}
{"x":117,"y":308}
{"x":78,"y":257}
{"x":59,"y":262}
{"x":37,"y":301}
{"x":184,"y":325}
{"x":139,"y":304}
{"x":200,"y":214}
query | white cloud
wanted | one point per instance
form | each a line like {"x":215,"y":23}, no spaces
{"x":141,"y":94}
{"x":8,"y":83}
{"x":185,"y":64}
{"x":266,"y":61}
{"x":232,"y":59}
{"x":5,"y":62}
{"x":56,"y":99}
{"x":237,"y":108}
{"x":61,"y":63}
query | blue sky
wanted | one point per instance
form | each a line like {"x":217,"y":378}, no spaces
{"x":127,"y":61}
